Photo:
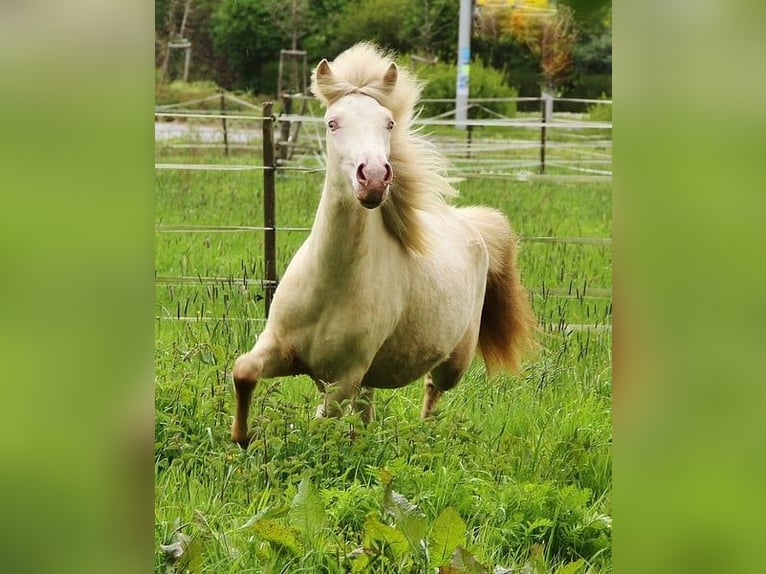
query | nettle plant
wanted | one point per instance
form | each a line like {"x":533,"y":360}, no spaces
{"x":401,"y":539}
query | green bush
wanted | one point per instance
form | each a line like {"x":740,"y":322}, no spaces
{"x":485,"y":82}
{"x":600,"y":112}
{"x":177,"y":91}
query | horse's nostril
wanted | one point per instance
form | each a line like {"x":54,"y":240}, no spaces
{"x":389,"y":173}
{"x":360,"y":177}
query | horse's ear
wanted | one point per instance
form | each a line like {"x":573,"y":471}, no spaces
{"x":324,"y":72}
{"x":391,"y":75}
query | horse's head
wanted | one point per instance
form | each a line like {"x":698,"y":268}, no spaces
{"x":359,"y":134}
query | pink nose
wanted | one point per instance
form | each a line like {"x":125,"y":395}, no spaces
{"x":374,"y":175}
{"x":373,"y":179}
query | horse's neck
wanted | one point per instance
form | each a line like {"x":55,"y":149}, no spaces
{"x":342,"y":231}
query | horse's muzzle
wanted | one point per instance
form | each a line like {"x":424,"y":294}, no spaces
{"x":372,"y":183}
{"x":371,"y":197}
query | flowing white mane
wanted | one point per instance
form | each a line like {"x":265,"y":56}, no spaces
{"x":419,"y":182}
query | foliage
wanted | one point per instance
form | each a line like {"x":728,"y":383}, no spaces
{"x":592,"y":57}
{"x":243,"y":34}
{"x":236,"y":43}
{"x":178,"y":91}
{"x":600,"y":112}
{"x":549,"y":37}
{"x":380,"y":21}
{"x":590,"y":71}
{"x":589,"y":10}
{"x":206,"y":64}
{"x":485,"y":82}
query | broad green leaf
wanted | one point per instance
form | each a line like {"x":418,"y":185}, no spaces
{"x":267,"y":512}
{"x":447,"y":533}
{"x":376,"y":531}
{"x":572,"y":567}
{"x":409,"y":520}
{"x":280,"y":535}
{"x":361,"y":563}
{"x":465,"y":562}
{"x":191,"y":560}
{"x":185,"y":553}
{"x":539,"y":523}
{"x":307,"y":512}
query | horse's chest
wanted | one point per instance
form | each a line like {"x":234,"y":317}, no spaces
{"x":342,"y":340}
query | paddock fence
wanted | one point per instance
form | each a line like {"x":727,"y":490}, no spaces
{"x":549,"y":146}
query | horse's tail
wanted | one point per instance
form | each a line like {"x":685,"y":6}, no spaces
{"x":508,"y":324}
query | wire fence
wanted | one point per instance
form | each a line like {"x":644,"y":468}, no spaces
{"x":549,"y":143}
{"x":579,"y":151}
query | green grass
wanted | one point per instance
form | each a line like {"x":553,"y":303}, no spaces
{"x":525,"y":462}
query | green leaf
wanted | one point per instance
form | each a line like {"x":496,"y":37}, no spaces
{"x":572,"y":567}
{"x":361,"y":563}
{"x":385,"y":477}
{"x":539,"y":523}
{"x":466,"y":563}
{"x":408,"y":518}
{"x":185,"y":553}
{"x":267,"y":512}
{"x":277,"y":534}
{"x":191,"y":561}
{"x":307,"y":512}
{"x":377,"y":532}
{"x":447,"y":533}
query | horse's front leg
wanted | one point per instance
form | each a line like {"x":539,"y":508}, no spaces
{"x":364,"y":404}
{"x":266,"y":359}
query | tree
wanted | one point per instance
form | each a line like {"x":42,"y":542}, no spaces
{"x":293,"y":18}
{"x":434,"y":26}
{"x":549,"y":35}
{"x":244,"y":35}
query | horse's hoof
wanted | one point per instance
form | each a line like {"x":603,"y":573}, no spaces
{"x":243,"y":441}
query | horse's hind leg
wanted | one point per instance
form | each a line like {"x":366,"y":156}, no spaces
{"x":266,"y":359}
{"x":442,"y":378}
{"x":446,"y":375}
{"x":431,"y":396}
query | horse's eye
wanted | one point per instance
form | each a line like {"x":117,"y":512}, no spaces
{"x":333,"y":125}
{"x":391,"y":124}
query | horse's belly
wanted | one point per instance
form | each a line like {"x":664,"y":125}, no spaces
{"x":391,"y":370}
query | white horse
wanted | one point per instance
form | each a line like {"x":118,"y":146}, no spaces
{"x":392,"y":283}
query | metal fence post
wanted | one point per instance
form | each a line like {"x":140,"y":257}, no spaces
{"x":284,"y":128}
{"x":269,"y":218}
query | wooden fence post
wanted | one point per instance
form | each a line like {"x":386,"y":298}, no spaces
{"x":269,"y":218}
{"x":223,"y":119}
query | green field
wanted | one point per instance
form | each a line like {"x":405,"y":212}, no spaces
{"x":515,"y":470}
